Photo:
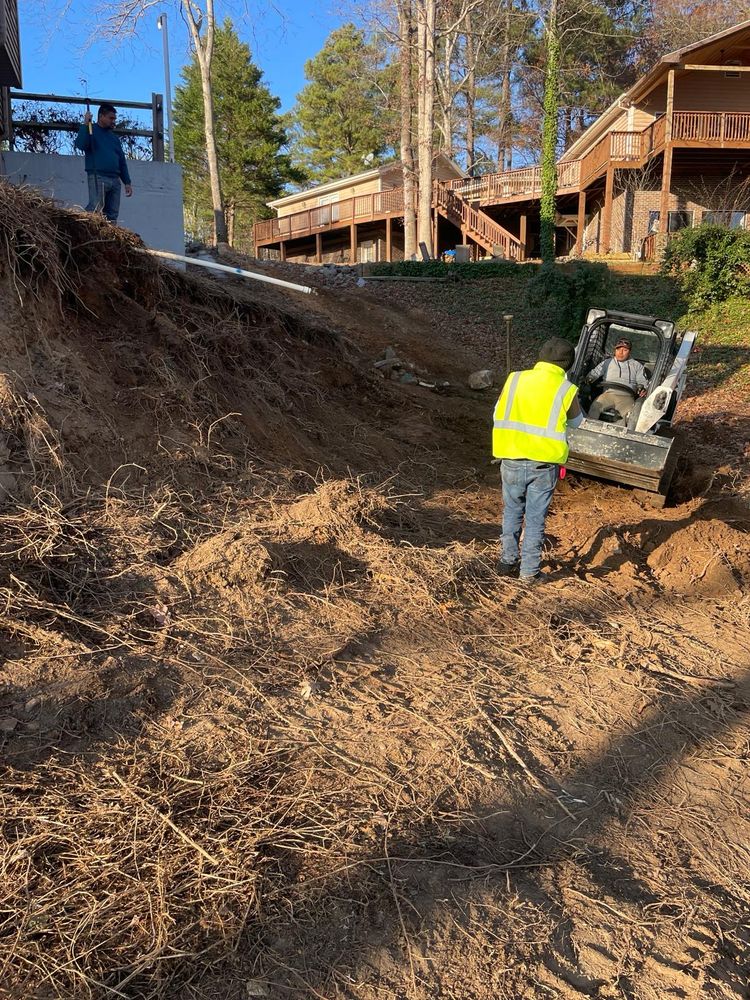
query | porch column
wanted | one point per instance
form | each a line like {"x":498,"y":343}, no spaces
{"x":581,"y":222}
{"x":389,"y":239}
{"x":318,"y":248}
{"x":607,"y":211}
{"x":666,"y":176}
{"x":282,"y":250}
{"x":353,"y":243}
{"x":434,"y":234}
{"x":522,"y":234}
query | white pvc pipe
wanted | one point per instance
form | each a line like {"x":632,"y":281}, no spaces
{"x":231,"y":270}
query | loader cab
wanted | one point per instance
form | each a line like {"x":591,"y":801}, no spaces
{"x":653,"y":345}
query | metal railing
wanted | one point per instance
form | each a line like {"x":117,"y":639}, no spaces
{"x":155,"y":106}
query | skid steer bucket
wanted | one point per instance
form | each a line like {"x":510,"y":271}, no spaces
{"x":622,"y":456}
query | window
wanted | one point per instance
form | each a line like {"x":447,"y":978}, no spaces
{"x":679,"y":220}
{"x":367,"y":251}
{"x":330,"y":214}
{"x":732,"y":220}
{"x":653,"y":220}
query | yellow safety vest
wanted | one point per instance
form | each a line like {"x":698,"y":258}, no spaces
{"x":531,"y":415}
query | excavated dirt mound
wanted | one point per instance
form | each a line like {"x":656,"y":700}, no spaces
{"x":272,"y":725}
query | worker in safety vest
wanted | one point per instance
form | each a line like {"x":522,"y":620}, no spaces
{"x":532,"y":415}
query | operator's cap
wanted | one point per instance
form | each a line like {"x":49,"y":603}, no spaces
{"x":557,"y":351}
{"x":623,"y":342}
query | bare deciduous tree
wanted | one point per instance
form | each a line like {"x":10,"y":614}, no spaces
{"x":426,"y":22}
{"x":116,"y":18}
{"x":406,"y":32}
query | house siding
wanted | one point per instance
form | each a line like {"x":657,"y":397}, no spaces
{"x":631,"y":207}
{"x":310,"y":199}
{"x":701,"y":91}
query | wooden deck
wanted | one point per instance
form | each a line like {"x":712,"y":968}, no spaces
{"x":461,"y":201}
{"x":336,"y":215}
{"x":718,"y":130}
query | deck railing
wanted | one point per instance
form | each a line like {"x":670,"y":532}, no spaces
{"x":477,"y":223}
{"x":711,"y":126}
{"x":334,"y":215}
{"x":619,"y":147}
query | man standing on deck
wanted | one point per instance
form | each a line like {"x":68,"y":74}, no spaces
{"x":106,"y":165}
{"x":531,"y":418}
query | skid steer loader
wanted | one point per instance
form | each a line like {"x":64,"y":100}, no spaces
{"x":639,"y":450}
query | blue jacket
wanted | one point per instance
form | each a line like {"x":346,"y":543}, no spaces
{"x":103,"y":151}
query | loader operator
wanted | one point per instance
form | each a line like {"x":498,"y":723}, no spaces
{"x":531,"y":417}
{"x":618,"y":370}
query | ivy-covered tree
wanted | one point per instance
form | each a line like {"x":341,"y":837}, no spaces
{"x":250,"y":140}
{"x":343,"y":120}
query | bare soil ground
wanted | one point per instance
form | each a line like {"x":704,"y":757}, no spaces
{"x":271,"y":724}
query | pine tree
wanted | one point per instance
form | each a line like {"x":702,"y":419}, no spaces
{"x":342,"y":117}
{"x":250,"y":140}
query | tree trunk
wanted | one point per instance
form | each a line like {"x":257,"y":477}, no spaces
{"x":230,"y":215}
{"x":549,"y":136}
{"x":406,"y":35}
{"x":444,"y":90}
{"x":204,"y":49}
{"x":426,"y":16}
{"x":505,"y":139}
{"x":471,"y":96}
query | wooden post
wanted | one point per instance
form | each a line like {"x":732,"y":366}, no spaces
{"x":581,"y":221}
{"x":353,"y":243}
{"x":607,"y":211}
{"x":435,"y":234}
{"x":282,"y":250}
{"x":388,"y":239}
{"x":666,"y":175}
{"x":318,"y":248}
{"x":522,"y":235}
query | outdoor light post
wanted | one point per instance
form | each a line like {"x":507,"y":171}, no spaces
{"x":161,"y":24}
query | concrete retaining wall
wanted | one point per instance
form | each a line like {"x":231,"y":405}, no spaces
{"x":154,"y":211}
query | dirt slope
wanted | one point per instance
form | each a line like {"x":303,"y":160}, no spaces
{"x":272,"y":726}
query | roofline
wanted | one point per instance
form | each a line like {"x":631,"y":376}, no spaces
{"x":642,"y":87}
{"x":595,"y":129}
{"x":366,"y":175}
{"x":677,"y":55}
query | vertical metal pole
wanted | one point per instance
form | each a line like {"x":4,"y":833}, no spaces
{"x":508,"y":323}
{"x":161,"y":24}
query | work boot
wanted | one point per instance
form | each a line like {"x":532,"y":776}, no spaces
{"x":507,"y":569}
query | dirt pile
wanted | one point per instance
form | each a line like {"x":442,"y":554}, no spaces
{"x":113,"y":360}
{"x":272,"y":725}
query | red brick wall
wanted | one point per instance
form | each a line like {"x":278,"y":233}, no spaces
{"x":631,"y":205}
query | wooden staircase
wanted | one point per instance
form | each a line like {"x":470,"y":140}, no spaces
{"x":476,"y":224}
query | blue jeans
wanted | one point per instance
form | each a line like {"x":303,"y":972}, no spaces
{"x":104,"y":195}
{"x":527,"y":494}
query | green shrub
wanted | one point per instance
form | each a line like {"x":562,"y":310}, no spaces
{"x":453,"y":272}
{"x":710,"y":262}
{"x":563,"y":293}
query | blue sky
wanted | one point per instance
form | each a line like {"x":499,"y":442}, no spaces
{"x":55,"y":57}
